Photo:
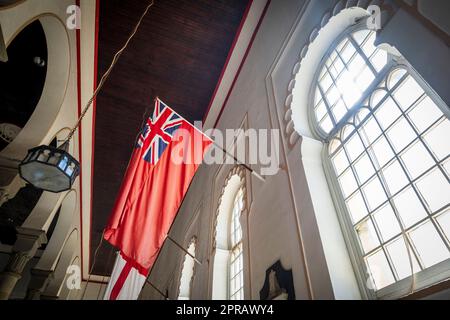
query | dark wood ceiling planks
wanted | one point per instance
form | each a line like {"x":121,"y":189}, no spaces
{"x":178,"y":55}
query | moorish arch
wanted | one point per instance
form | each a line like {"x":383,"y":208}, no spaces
{"x":228,"y":234}
{"x":33,"y":127}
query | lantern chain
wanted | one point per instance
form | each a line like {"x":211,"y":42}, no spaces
{"x":107,"y":73}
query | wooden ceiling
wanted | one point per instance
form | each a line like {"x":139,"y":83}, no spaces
{"x":178,"y":55}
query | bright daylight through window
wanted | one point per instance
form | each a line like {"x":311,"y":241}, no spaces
{"x":389,"y":149}
{"x":236,"y":260}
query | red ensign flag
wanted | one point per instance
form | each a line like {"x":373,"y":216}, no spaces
{"x":167,"y":155}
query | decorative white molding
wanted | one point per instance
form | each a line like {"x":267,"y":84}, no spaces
{"x":237,"y":170}
{"x":388,"y":7}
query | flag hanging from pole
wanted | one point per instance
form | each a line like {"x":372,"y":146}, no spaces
{"x":167,"y":155}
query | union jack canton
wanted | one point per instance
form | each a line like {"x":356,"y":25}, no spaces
{"x":158,"y":132}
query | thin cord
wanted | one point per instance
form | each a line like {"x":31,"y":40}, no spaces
{"x":88,"y":105}
{"x":107,"y":73}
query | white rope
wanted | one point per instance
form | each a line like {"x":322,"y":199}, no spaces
{"x":108,"y":72}
{"x":88,"y":105}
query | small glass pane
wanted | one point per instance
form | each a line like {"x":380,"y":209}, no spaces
{"x":361,"y":116}
{"x":400,"y":258}
{"x":435,"y":189}
{"x":339,"y":111}
{"x":317,"y":97}
{"x":341,"y":45}
{"x":347,"y":131}
{"x":333,"y":95}
{"x":321,"y":110}
{"x":425,"y":114}
{"x":395,"y":177}
{"x":374,"y":193}
{"x":409,"y":207}
{"x":417,"y":159}
{"x":347,"y":86}
{"x":438,"y":139}
{"x":401,"y":134}
{"x":387,"y":113}
{"x":326,"y":124}
{"x":444,"y":222}
{"x":356,"y":207}
{"x":379,"y":60}
{"x":340,"y":162}
{"x":408,"y":92}
{"x":336,"y":68}
{"x":367,"y":235}
{"x":356,"y":65}
{"x":382,"y":151}
{"x":364,"y":79}
{"x":387,"y":222}
{"x":348,"y":52}
{"x":379,"y":270}
{"x":360,"y":36}
{"x":376,"y":97}
{"x":348,"y":183}
{"x":429,"y":244}
{"x":370,"y":131}
{"x":334,"y":145}
{"x":395,"y":77}
{"x":326,"y":82}
{"x":364,"y":168}
{"x":354,"y":147}
{"x":447,"y":167}
{"x":369,"y":47}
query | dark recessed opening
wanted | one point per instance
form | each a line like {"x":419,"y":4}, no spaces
{"x":22,"y":78}
{"x":14,"y":212}
{"x":4,"y":3}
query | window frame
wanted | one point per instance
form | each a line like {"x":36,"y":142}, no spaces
{"x":427,"y":277}
{"x":234,"y":246}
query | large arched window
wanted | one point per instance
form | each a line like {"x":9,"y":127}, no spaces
{"x":236,"y":269}
{"x":187,"y":273}
{"x":388,"y":149}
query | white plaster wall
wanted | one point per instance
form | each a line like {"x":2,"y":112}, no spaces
{"x":282,"y":220}
{"x":60,"y":96}
{"x":273,"y":228}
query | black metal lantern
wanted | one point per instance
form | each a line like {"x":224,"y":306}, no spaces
{"x":50,"y":169}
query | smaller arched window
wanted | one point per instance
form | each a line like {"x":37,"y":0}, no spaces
{"x":228,"y":266}
{"x":187,"y":274}
{"x":389,"y":158}
{"x":236,"y":269}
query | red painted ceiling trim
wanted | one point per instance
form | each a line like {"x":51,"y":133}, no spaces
{"x":94,"y":112}
{"x":80,"y":158}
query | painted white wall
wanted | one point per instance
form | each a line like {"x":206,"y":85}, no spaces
{"x":291,"y":216}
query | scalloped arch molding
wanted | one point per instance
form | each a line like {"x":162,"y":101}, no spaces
{"x":294,"y":119}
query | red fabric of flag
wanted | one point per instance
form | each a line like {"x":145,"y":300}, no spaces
{"x":154,"y":186}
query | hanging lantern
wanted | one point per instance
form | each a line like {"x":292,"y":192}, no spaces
{"x":50,"y":169}
{"x":54,"y":169}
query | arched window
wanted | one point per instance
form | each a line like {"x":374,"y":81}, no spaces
{"x":236,"y":269}
{"x":187,"y":274}
{"x":388,"y":152}
{"x":228,"y":266}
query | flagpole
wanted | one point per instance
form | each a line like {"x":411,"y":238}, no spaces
{"x":184,"y":250}
{"x":156,"y":289}
{"x":253,"y":172}
{"x":246,"y":166}
{"x":257,"y":175}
